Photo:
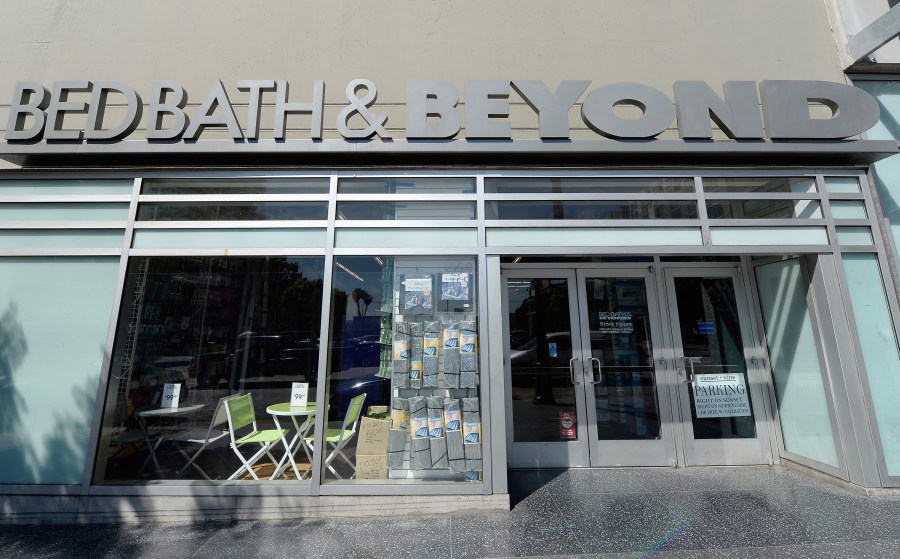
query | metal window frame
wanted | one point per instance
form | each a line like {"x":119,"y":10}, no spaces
{"x":488,"y":266}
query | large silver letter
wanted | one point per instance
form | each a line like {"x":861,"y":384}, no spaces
{"x":486,"y":99}
{"x":552,"y":108}
{"x":315,"y":108}
{"x":255,"y":87}
{"x":29,"y":98}
{"x":697,"y":105}
{"x":597,"y":111}
{"x":159,"y":107}
{"x":59,"y":105}
{"x":786,"y":110}
{"x":430,"y":98}
{"x":97,"y":110}
{"x":217,"y":99}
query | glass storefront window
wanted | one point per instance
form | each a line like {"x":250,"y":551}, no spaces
{"x":578,"y":185}
{"x":403,"y":376}
{"x":799,"y":385}
{"x":406,"y":185}
{"x":561,"y":209}
{"x":350,"y":211}
{"x":806,"y":185}
{"x":273,"y":185}
{"x":233,"y":211}
{"x":763,"y":209}
{"x":195,"y":332}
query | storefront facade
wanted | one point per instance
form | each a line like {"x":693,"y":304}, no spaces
{"x":244,"y":297}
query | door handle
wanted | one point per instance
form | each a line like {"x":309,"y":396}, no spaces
{"x":572,"y":375}
{"x":592,"y":381}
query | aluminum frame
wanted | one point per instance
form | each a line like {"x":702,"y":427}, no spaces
{"x":488,"y":262}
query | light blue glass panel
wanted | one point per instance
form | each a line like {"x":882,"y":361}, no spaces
{"x":848,"y":209}
{"x":598,"y":236}
{"x":54,"y":316}
{"x":749,"y":236}
{"x":842,"y":185}
{"x":887,"y":171}
{"x":854,"y":236}
{"x":879,"y":349}
{"x":799,"y":387}
{"x":61,"y":238}
{"x":405,"y":238}
{"x":229,"y":238}
{"x":63,"y":212}
{"x":66,"y":187}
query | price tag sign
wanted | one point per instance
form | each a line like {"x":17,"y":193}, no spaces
{"x":170,"y":395}
{"x":299,"y":393}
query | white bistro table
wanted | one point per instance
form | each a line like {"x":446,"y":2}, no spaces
{"x":300,"y":432}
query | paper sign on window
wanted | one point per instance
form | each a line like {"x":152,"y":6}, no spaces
{"x":299,"y":393}
{"x":721,"y":396}
{"x":170,"y":395}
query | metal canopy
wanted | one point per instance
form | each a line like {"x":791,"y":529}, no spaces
{"x":875,"y":35}
{"x":331,"y":152}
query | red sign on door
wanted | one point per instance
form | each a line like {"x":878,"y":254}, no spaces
{"x":567,"y":429}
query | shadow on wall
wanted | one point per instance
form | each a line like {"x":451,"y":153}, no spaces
{"x":15,"y":455}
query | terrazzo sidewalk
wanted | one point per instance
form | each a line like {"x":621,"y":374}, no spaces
{"x":599,"y":514}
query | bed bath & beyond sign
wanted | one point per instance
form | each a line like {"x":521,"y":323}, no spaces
{"x":773,"y":110}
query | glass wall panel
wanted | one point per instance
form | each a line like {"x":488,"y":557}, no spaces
{"x":560,"y":209}
{"x":63,"y":212}
{"x":842,"y":185}
{"x":61,"y":238}
{"x":273,"y":185}
{"x":403,"y":376}
{"x":87,"y":187}
{"x":848,"y":209}
{"x":405,"y":238}
{"x":237,"y":211}
{"x":854,"y":236}
{"x":763,"y":209}
{"x":407,"y":185}
{"x":585,"y":236}
{"x":762,"y":185}
{"x":54,"y":317}
{"x":577,"y":185}
{"x":749,"y":236}
{"x":886,"y":173}
{"x":796,"y":369}
{"x":229,"y":238}
{"x":205,"y":346}
{"x":878,"y":342}
{"x":405,"y":210}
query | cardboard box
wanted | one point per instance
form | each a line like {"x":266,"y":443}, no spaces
{"x":371,"y":466}
{"x":372,"y":448}
{"x":374,"y":435}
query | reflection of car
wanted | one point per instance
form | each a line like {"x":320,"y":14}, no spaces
{"x":377,"y":390}
{"x":292,"y":354}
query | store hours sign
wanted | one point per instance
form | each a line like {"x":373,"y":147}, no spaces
{"x":723,"y":395}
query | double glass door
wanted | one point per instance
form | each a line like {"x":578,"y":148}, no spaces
{"x":631,"y":367}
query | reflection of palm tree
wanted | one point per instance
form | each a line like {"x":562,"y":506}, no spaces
{"x":361,"y":296}
{"x":13,"y":347}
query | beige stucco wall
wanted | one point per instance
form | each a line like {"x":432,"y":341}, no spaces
{"x":650,"y":41}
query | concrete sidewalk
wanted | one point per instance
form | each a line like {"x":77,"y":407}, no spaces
{"x":604,"y":514}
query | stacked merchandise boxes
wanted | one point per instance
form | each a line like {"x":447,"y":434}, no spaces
{"x":436,"y":408}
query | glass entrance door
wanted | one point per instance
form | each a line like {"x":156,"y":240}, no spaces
{"x":719,"y":379}
{"x":545,"y":362}
{"x":631,"y":367}
{"x":627,"y":411}
{"x":584,"y":385}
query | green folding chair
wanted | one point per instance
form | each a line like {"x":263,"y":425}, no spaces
{"x":240,"y":416}
{"x":338,"y":438}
